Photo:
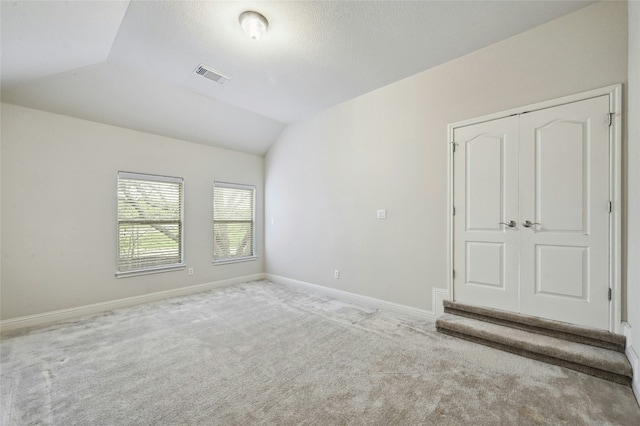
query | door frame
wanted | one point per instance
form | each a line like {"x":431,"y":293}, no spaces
{"x":615,"y":187}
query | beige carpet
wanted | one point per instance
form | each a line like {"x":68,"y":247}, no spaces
{"x":260,"y":353}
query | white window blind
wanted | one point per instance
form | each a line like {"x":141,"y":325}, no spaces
{"x":233,"y":222}
{"x":149,"y":223}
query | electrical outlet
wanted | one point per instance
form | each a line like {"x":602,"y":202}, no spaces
{"x":336,"y":274}
{"x":190,"y":271}
{"x":382,"y":214}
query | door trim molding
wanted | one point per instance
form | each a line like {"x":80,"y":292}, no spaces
{"x":615,"y":178}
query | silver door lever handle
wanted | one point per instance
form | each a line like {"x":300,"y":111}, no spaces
{"x":510,"y":224}
{"x":529,"y":224}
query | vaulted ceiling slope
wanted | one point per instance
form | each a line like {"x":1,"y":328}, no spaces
{"x":131,"y":64}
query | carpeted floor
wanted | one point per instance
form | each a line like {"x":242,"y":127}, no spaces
{"x":261,"y":353}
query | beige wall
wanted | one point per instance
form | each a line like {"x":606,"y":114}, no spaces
{"x":326,"y":176}
{"x":59,"y":209}
{"x":633,"y":185}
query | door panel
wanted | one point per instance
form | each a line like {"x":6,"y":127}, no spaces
{"x":485,"y":264}
{"x":551,"y":262}
{"x":485,"y":194}
{"x":560,"y":170}
{"x":484,"y":181}
{"x":564,"y":186}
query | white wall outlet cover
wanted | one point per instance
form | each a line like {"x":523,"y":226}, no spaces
{"x":382,"y":214}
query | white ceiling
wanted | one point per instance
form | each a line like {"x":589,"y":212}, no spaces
{"x":131,"y":64}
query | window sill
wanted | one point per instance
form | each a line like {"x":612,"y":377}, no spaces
{"x":237,"y":260}
{"x":150,"y":271}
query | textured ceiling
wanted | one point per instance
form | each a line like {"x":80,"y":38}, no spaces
{"x":131,"y":63}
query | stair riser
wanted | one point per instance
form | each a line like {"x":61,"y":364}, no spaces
{"x":547,"y":332}
{"x":571,"y":332}
{"x":527,"y":341}
{"x":606,"y":375}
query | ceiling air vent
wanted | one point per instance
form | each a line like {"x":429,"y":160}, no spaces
{"x":211,"y":74}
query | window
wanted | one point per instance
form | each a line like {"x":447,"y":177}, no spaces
{"x":149,"y":223}
{"x":233,"y":222}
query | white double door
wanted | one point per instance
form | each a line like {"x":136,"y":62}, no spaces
{"x":531,"y":223}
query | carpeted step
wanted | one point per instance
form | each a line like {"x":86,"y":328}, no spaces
{"x":599,"y":362}
{"x":561,"y":330}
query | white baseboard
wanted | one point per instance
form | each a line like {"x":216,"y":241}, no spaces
{"x":634,"y":360}
{"x":96,"y":308}
{"x":438,"y":295}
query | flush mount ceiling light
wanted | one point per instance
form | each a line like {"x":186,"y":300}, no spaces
{"x":253,"y":24}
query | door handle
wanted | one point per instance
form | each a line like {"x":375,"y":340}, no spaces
{"x":529,"y":224}
{"x":510,"y":224}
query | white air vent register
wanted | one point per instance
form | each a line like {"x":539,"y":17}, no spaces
{"x":211,"y":74}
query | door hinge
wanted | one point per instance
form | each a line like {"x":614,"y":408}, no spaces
{"x":454,"y":273}
{"x":611,"y":118}
{"x":454,"y":211}
{"x":609,"y":294}
{"x":453,"y":145}
{"x":610,"y":206}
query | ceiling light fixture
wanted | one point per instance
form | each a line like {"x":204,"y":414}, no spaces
{"x":253,"y":24}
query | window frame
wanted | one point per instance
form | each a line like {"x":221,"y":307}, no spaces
{"x":253,"y":256}
{"x":154,"y":269}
